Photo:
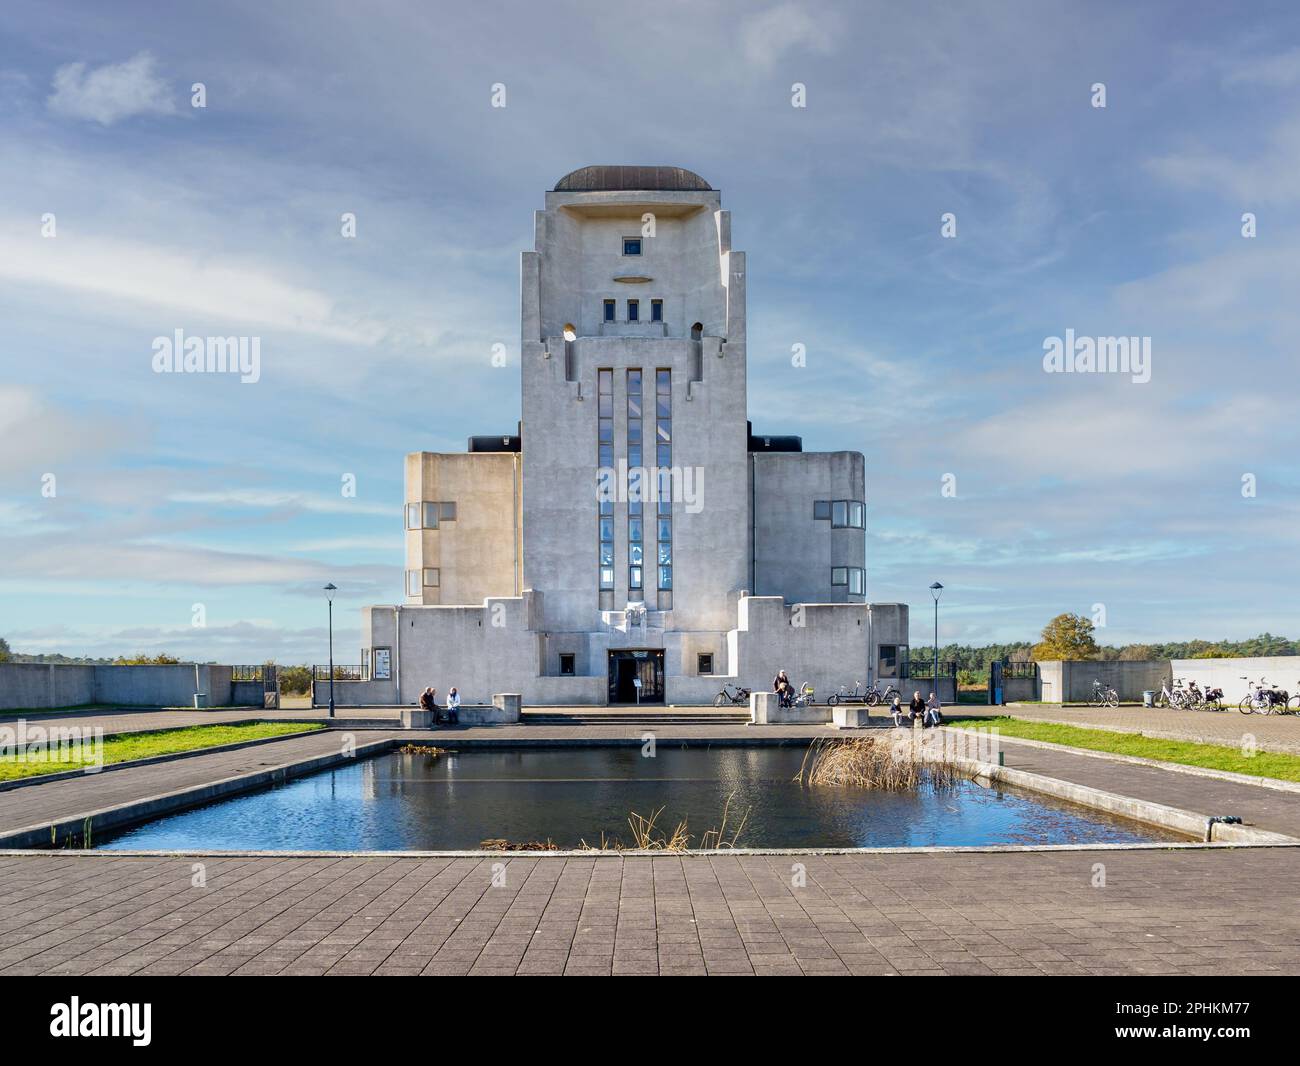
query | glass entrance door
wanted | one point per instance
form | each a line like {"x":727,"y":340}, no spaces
{"x":627,"y":668}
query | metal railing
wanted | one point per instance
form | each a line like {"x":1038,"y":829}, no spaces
{"x":247,"y":673}
{"x":1022,"y":670}
{"x":923,"y":670}
{"x":341,"y":673}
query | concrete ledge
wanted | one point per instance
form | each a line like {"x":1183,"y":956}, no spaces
{"x":136,"y":811}
{"x":414,"y":718}
{"x":1190,"y":823}
{"x":766,"y":709}
{"x":851,"y":716}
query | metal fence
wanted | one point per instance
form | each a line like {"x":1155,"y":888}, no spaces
{"x":1020,"y":670}
{"x":924,"y":670}
{"x":248,"y":673}
{"x":341,"y":673}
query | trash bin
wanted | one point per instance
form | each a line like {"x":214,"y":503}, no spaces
{"x":1148,"y":698}
{"x":200,"y":700}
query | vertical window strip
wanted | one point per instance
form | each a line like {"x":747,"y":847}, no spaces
{"x":605,"y":458}
{"x":663,"y":476}
{"x":635,"y":494}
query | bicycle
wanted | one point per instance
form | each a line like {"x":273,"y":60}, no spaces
{"x":1102,"y":696}
{"x":845,"y":696}
{"x":726,"y":696}
{"x":805,"y":697}
{"x":875,"y":697}
{"x":1262,"y":698}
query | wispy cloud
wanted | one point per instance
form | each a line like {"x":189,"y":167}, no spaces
{"x":111,"y":93}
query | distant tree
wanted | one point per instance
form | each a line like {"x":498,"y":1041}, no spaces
{"x":1137,"y":652}
{"x":141,"y":659}
{"x":1067,"y":636}
{"x":4,"y":650}
{"x":295,"y":680}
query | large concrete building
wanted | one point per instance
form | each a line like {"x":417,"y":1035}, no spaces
{"x":634,"y":540}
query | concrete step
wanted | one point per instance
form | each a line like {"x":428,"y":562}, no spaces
{"x":722,"y":717}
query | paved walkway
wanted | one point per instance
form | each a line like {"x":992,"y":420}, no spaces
{"x":1220,"y":912}
{"x":1272,"y":732}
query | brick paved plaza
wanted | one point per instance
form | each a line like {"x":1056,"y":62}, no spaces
{"x":1161,"y":909}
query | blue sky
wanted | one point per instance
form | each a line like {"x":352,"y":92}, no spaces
{"x":924,"y":353}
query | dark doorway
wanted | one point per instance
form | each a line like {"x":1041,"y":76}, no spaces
{"x":628,"y":667}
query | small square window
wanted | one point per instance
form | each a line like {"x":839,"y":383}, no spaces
{"x":446,"y":512}
{"x":567,"y":664}
{"x":656,"y":310}
{"x":431,"y":577}
{"x":633,"y":311}
{"x":704,"y":663}
{"x":822,"y":510}
{"x":631,"y":245}
{"x":839,"y":575}
{"x":413,"y":582}
{"x":430,"y":516}
{"x":609,"y":310}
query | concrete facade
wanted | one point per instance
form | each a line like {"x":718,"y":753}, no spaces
{"x":636,"y":531}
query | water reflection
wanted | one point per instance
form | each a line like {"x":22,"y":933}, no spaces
{"x":456,"y":801}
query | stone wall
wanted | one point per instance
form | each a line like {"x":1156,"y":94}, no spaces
{"x":50,"y":685}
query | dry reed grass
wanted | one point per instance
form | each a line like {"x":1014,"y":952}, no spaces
{"x":892,"y":765}
{"x":647,"y":836}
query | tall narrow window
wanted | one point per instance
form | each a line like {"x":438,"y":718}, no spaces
{"x":656,"y":310}
{"x":633,"y":311}
{"x":604,"y":452}
{"x":635,"y":488}
{"x":609,"y":310}
{"x":663,"y":483}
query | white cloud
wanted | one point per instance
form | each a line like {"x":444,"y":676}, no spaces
{"x":278,"y":498}
{"x":112,"y":92}
{"x":218,"y":288}
{"x":766,"y":37}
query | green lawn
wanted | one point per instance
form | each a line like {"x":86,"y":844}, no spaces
{"x":1186,"y":752}
{"x":143,"y":745}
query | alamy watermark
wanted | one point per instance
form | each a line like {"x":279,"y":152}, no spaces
{"x":83,"y":748}
{"x":179,"y":354}
{"x":641,"y":484}
{"x":1098,"y":355}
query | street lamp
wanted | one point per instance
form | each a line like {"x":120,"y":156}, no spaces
{"x":331,"y":588}
{"x":936,"y":590}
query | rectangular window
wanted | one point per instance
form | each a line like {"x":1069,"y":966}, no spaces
{"x":413,"y":583}
{"x":822,"y":510}
{"x":704,"y":663}
{"x":888,"y":661}
{"x":605,"y":456}
{"x":664,"y":461}
{"x":412,"y":516}
{"x":631,"y":245}
{"x":609,"y":310}
{"x":567,"y":664}
{"x":839,"y":575}
{"x":857,"y":580}
{"x":431,"y":577}
{"x":431,"y":516}
{"x":847,"y":514}
{"x":636,"y":486}
{"x":447,"y":512}
{"x":656,"y":310}
{"x":633,"y":311}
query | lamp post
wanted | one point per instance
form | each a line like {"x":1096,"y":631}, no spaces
{"x":331,"y":588}
{"x":936,"y":590}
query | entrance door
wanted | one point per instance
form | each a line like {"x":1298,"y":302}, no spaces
{"x":626,"y":668}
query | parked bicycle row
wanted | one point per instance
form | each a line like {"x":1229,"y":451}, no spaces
{"x":805,"y":694}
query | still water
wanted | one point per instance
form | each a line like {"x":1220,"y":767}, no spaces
{"x":421,"y":802}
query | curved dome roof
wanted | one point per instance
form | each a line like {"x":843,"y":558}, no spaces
{"x":625,"y":179}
